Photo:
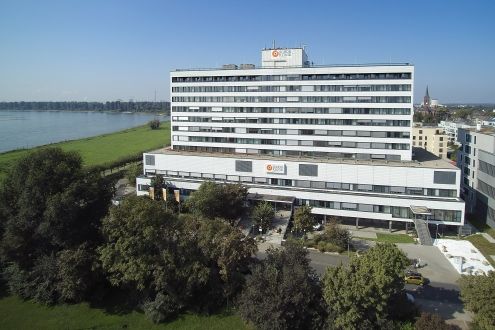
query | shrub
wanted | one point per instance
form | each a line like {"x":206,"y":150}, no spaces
{"x":154,"y":124}
{"x":160,"y":309}
{"x":429,"y":321}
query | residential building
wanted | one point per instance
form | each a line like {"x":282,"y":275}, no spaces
{"x":430,"y":138}
{"x":451,"y":129}
{"x":476,"y":158}
{"x":337,"y":138}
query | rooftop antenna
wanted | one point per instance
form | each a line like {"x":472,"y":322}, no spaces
{"x":155,"y":95}
{"x":273,"y":43}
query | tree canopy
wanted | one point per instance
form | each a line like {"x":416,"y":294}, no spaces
{"x":263,"y":215}
{"x":51,"y":209}
{"x":478,"y":293}
{"x":172,"y":263}
{"x":283,"y":292}
{"x":360,"y":295}
{"x":213,"y":200}
{"x":303,"y":219}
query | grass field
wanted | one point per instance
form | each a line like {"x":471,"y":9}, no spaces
{"x":486,"y":248}
{"x":19,"y":314}
{"x":103,"y":149}
{"x":394,"y":238}
{"x":481,"y":226}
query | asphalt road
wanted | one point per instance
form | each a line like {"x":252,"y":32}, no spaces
{"x":435,"y":297}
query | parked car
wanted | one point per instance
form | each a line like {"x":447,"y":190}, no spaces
{"x":318,"y":227}
{"x":414,"y":278}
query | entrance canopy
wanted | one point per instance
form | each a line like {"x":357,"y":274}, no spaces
{"x":271,"y":198}
{"x":420,"y":210}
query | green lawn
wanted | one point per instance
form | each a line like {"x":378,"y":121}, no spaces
{"x":18,"y":314}
{"x":104,"y":149}
{"x":481,"y":226}
{"x":486,"y":248}
{"x":394,"y":238}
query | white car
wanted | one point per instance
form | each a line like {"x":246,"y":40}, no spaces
{"x":318,"y":226}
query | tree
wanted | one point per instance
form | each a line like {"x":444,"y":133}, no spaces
{"x":158,"y":183}
{"x":49,"y":204}
{"x":154,"y":124}
{"x":207,"y":200}
{"x":335,"y":235}
{"x":172,"y":264}
{"x":234,"y":197}
{"x":303,"y":219}
{"x":478,"y":293}
{"x":360,"y":295}
{"x":134,"y":170}
{"x":262,"y":215}
{"x":283,"y":292}
{"x":428,"y":321}
{"x":213,"y":200}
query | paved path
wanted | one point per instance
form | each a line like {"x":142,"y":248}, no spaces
{"x":435,"y":266}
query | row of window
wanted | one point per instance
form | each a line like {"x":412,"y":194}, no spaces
{"x":293,"y":88}
{"x":395,"y":211}
{"x":281,"y":142}
{"x":290,"y":153}
{"x":487,"y":168}
{"x":486,"y":189}
{"x":338,"y":76}
{"x":302,"y":99}
{"x":317,"y":132}
{"x":350,"y":111}
{"x":426,"y":138}
{"x":295,"y":121}
{"x":367,"y":188}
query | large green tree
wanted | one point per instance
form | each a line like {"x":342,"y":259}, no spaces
{"x":362,"y":294}
{"x":263,"y":215}
{"x":213,"y":200}
{"x":283,"y":292}
{"x":172,"y":264}
{"x":478,"y":293}
{"x":303,"y":219}
{"x":50,"y":205}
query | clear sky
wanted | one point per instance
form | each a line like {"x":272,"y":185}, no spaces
{"x":99,"y":50}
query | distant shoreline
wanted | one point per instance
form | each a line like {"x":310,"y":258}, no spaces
{"x":158,"y":113}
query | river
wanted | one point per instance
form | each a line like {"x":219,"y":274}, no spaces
{"x":26,"y":129}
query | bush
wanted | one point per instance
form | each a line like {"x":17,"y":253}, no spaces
{"x":328,"y":247}
{"x":429,"y":321}
{"x":154,"y":124}
{"x":336,"y":235}
{"x":160,"y":309}
{"x":133,"y":171}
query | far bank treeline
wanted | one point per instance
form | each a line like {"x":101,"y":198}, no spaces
{"x":119,"y":106}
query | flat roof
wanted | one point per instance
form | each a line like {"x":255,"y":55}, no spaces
{"x":487,"y":130}
{"x":422,"y":159}
{"x":256,"y":67}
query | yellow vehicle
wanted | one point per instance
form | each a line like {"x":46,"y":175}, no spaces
{"x":414,"y":278}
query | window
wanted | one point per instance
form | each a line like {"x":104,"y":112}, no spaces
{"x":308,"y":170}
{"x":149,"y":160}
{"x":243,"y":166}
{"x":444,"y":177}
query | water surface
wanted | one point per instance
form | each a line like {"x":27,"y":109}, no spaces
{"x":26,"y":129}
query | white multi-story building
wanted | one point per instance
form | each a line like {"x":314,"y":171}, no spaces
{"x":334,"y":137}
{"x":451,"y":128}
{"x":476,"y":158}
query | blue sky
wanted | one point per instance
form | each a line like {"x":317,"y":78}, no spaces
{"x":107,"y":50}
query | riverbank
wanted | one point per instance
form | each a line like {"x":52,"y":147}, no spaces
{"x":102,"y":150}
